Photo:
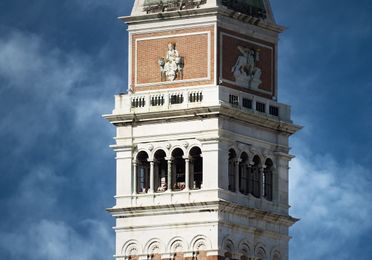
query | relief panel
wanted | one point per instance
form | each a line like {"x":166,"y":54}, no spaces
{"x":247,"y":64}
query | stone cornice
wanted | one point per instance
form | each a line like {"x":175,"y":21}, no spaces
{"x":157,"y":17}
{"x":249,"y":117}
{"x":215,"y":206}
{"x":192,"y":13}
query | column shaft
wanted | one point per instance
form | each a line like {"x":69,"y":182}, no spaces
{"x":237,"y":188}
{"x":187,"y":174}
{"x":169,"y":181}
{"x":134,"y":178}
{"x":151,"y":190}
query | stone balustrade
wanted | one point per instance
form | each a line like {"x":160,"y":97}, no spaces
{"x":163,"y":100}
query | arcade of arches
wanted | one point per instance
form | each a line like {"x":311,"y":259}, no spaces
{"x":182,"y":172}
{"x":177,"y":173}
{"x":250,"y":177}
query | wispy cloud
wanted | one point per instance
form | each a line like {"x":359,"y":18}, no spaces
{"x":51,"y":102}
{"x":332,"y":198}
{"x":58,"y":241}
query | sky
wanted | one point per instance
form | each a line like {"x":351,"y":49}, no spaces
{"x":62,"y":61}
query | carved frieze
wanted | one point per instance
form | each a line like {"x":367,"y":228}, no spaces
{"x":158,"y":6}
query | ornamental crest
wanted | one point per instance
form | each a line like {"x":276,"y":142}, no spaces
{"x":171,"y":66}
{"x":245,"y":71}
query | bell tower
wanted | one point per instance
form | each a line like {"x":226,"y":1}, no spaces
{"x":202,"y":142}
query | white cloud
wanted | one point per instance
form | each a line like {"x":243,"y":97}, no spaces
{"x":41,"y":83}
{"x":49,"y":240}
{"x":332,"y":198}
{"x":44,"y":81}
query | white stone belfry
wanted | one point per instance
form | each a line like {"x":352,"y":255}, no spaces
{"x":201,"y":143}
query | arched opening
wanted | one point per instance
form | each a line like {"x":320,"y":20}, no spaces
{"x":196,"y":168}
{"x":143,"y":172}
{"x":243,"y":174}
{"x":276,"y":256}
{"x":245,"y":252}
{"x":261,"y":254}
{"x":268,"y":180}
{"x":160,"y":171}
{"x":232,"y":170}
{"x":255,"y":177}
{"x":178,"y":170}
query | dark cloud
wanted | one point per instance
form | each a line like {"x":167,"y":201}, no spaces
{"x":61,"y":62}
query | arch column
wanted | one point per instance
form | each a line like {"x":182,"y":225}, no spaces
{"x":134,"y":178}
{"x":187,"y":173}
{"x":237,"y":187}
{"x":250,"y":178}
{"x":262,"y":182}
{"x":151,"y":190}
{"x":169,"y":174}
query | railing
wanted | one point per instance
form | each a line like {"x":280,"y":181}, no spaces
{"x":197,"y":97}
{"x":176,"y":98}
{"x":138,"y":102}
{"x":157,"y":100}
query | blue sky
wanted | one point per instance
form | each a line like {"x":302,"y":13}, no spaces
{"x":61,"y":62}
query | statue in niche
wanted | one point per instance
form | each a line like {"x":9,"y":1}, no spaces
{"x":245,"y":71}
{"x":171,"y":67}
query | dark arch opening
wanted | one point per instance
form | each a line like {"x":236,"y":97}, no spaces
{"x":232,"y":170}
{"x":160,"y":171}
{"x":143,"y":172}
{"x":256,"y":177}
{"x":268,"y":180}
{"x":244,"y":174}
{"x":196,"y":168}
{"x":178,"y":170}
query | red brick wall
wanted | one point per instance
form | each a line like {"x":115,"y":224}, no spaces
{"x":194,"y":49}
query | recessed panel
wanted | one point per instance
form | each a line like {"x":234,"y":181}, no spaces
{"x":172,"y":59}
{"x":247,"y":64}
